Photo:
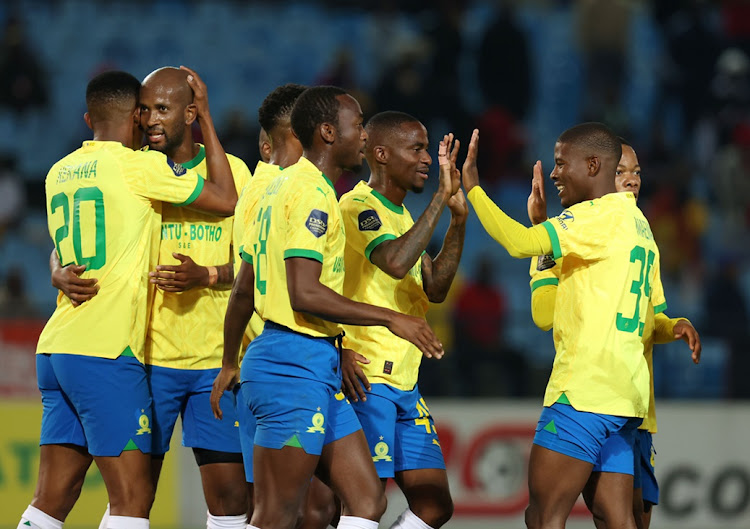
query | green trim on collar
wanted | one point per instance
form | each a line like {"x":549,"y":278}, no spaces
{"x":195,"y":161}
{"x":330,"y":184}
{"x":387,"y":203}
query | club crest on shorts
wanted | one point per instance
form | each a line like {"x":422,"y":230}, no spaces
{"x":369,"y":221}
{"x":317,"y":222}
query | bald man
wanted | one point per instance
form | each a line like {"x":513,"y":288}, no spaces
{"x":184,"y":340}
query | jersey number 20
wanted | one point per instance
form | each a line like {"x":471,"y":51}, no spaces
{"x":85,"y":194}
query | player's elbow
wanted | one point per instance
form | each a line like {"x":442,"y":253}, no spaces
{"x":302,"y":299}
{"x":436,"y":296}
{"x":544,"y":323}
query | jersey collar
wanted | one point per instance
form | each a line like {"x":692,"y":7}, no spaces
{"x":190,"y":164}
{"x":387,"y":203}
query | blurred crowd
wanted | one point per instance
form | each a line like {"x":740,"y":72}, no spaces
{"x":671,"y":76}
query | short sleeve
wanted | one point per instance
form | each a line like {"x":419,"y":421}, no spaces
{"x":583,"y":230}
{"x":365,"y":227}
{"x":309,"y":222}
{"x":658,"y":300}
{"x":152,"y":175}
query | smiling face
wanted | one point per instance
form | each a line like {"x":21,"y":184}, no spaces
{"x":628,"y":175}
{"x":351,"y":137}
{"x":408,"y":160}
{"x":164,"y":115}
{"x":571,"y":174}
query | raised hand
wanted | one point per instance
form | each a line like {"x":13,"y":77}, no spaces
{"x":470,"y":171}
{"x":537,"y":202}
{"x":353,"y":380}
{"x":457,"y":205}
{"x":418,"y":332}
{"x":200,"y":92}
{"x":68,"y":280}
{"x":684,"y":330}
{"x":227,"y":378}
{"x":450,"y":176}
{"x":181,"y":277}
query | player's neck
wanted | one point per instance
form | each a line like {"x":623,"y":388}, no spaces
{"x":283,"y":158}
{"x":185,"y":152}
{"x":387,"y":187}
{"x":109,"y":131}
{"x":325,"y":165}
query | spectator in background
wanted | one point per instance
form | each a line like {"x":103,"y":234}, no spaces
{"x":23,"y":85}
{"x":14,"y":302}
{"x":12,"y":193}
{"x":487,"y":364}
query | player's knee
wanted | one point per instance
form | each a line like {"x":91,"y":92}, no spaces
{"x":132,"y":499}
{"x":371,"y":506}
{"x":317,"y":515}
{"x":436,"y":512}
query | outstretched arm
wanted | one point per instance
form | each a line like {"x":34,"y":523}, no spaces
{"x":668,"y":329}
{"x":396,"y":257}
{"x":516,"y":238}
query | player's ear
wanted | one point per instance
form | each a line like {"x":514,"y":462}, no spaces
{"x":381,"y":154}
{"x":327,"y":133}
{"x":191,"y":113}
{"x":265,"y":151}
{"x":87,"y":119}
{"x":594,"y":164}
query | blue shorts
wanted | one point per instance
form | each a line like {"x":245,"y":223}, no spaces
{"x":606,"y":441}
{"x":645,"y":477}
{"x":296,"y":412}
{"x":186,"y":392}
{"x":101,"y":404}
{"x":399,"y":430}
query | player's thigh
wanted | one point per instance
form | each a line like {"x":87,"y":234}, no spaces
{"x":346,"y":466}
{"x":112,"y":400}
{"x":247,"y":425}
{"x":60,"y":422}
{"x":127,"y":477}
{"x":169,"y":390}
{"x":377,"y":416}
{"x":555,"y":482}
{"x":224,"y":486}
{"x":200,"y":429}
{"x":417,"y":445}
{"x":613,"y":500}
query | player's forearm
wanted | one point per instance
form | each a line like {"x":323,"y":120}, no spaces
{"x":221,"y":181}
{"x":444,"y":267}
{"x":54,"y":264}
{"x":664,"y":328}
{"x":239,"y":312}
{"x":398,"y":256}
{"x":316,"y":299}
{"x":225,"y":275}
{"x":516,"y":238}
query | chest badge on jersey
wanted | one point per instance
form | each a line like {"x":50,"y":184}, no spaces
{"x":369,"y":221}
{"x":177,"y":168}
{"x":317,"y":222}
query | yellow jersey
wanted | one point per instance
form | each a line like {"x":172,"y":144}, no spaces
{"x":104,"y":210}
{"x":186,"y":330}
{"x":297,"y":216}
{"x":658,"y":328}
{"x":244,"y":212}
{"x":609,"y":276}
{"x":370,"y":219}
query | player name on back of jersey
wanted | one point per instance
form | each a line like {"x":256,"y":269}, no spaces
{"x":76,"y":172}
{"x":643,"y":229}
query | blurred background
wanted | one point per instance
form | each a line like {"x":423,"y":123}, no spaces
{"x":671,"y":76}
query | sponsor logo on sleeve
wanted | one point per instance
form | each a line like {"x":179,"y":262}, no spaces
{"x":177,"y":168}
{"x":565,"y":217}
{"x":369,"y":221}
{"x":317,"y":222}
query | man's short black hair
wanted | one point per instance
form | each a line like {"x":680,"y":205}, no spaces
{"x":595,"y":138}
{"x":111,"y":93}
{"x":278,"y":104}
{"x":389,"y":120}
{"x":315,"y":106}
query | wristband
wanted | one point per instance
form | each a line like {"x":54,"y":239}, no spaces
{"x":213,"y":275}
